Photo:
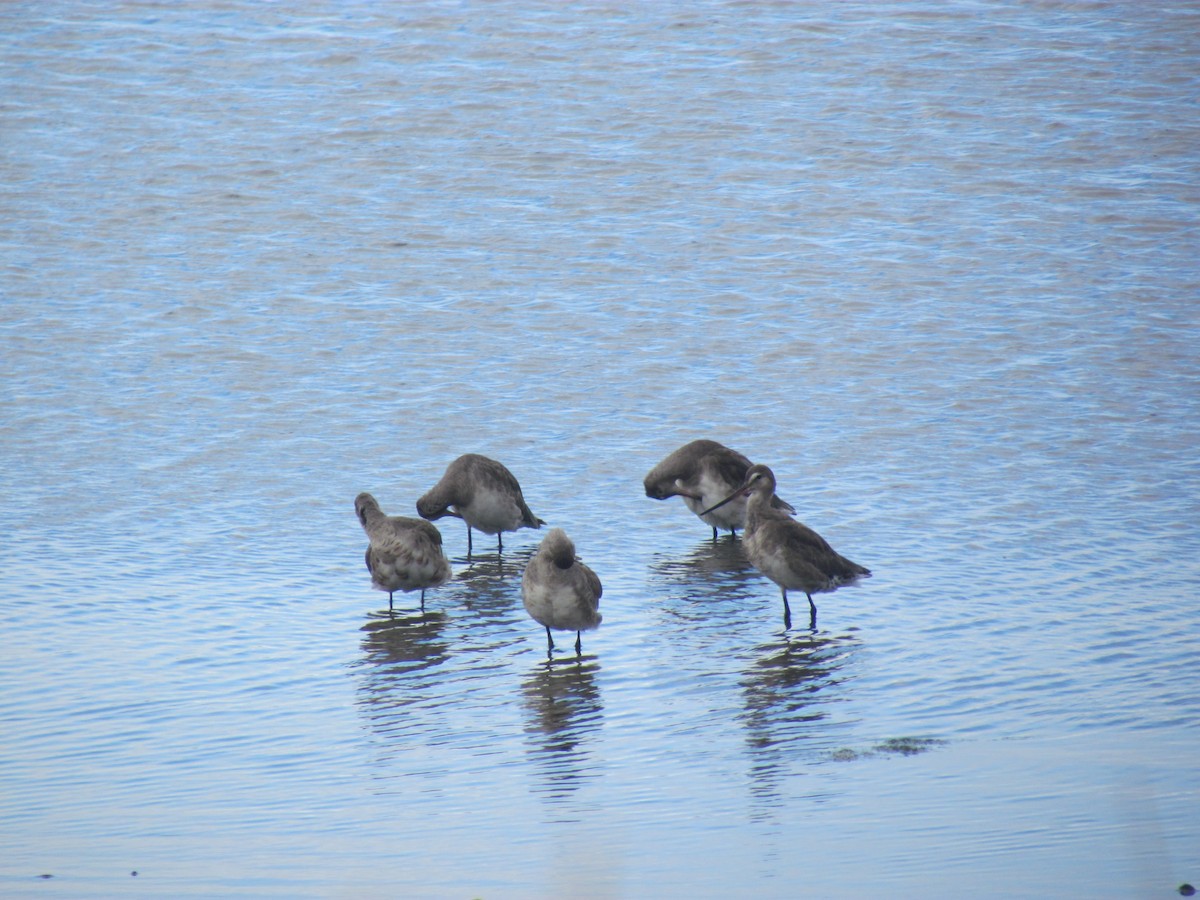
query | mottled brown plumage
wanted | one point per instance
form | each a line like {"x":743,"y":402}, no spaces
{"x":403,"y":554}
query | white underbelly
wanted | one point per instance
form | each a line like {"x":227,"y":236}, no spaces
{"x":560,"y":607}
{"x":712,"y":491}
{"x":491,"y":512}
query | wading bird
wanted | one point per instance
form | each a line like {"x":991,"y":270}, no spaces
{"x":484,"y":494}
{"x":559,"y":591}
{"x":703,"y":472}
{"x":788,"y":552}
{"x":403,"y":554}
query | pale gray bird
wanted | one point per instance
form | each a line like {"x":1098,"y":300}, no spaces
{"x":481,"y":492}
{"x":559,"y":591}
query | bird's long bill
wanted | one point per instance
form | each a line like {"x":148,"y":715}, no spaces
{"x":723,"y":502}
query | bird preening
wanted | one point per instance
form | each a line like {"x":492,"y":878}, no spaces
{"x":788,"y":552}
{"x":701,"y":473}
{"x":559,"y":592}
{"x":484,"y":494}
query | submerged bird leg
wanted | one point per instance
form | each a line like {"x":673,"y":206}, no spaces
{"x":549,"y":642}
{"x":787,"y":611}
{"x":578,"y":643}
{"x":714,"y":532}
{"x":422,"y":599}
{"x":499,"y":542}
{"x":389,"y":601}
{"x":812,"y":608}
{"x":468,"y":542}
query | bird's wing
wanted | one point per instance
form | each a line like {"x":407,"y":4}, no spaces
{"x":593,"y":583}
{"x":729,"y":465}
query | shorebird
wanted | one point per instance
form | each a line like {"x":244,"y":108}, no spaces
{"x":559,"y":591}
{"x":484,"y":494}
{"x":788,"y":552}
{"x":703,"y":472}
{"x":403,"y":554}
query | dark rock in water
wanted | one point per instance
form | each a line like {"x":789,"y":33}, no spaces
{"x":902,"y":746}
{"x":908,"y":746}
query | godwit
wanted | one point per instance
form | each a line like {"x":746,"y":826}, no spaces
{"x":484,"y":494}
{"x":703,"y":472}
{"x":559,"y":591}
{"x":789,"y":553}
{"x":403,"y":554}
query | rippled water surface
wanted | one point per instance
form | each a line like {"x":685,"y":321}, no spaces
{"x":935,"y":263}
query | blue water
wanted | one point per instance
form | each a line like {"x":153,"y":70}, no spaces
{"x":933,"y":263}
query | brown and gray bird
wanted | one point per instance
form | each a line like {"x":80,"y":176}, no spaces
{"x":559,"y":591}
{"x":702,"y":472}
{"x":788,"y":552}
{"x":484,"y":494}
{"x":403,"y":554}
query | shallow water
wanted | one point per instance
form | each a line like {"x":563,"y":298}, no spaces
{"x":934,"y":263}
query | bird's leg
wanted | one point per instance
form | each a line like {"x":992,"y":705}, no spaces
{"x":468,"y":542}
{"x":714,"y":532}
{"x":578,"y":644}
{"x":549,"y":643}
{"x":812,"y":608}
{"x":422,"y":599}
{"x":499,"y":542}
{"x":787,"y":612}
{"x":389,"y":601}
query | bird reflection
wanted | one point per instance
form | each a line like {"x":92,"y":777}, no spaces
{"x":788,"y":697}
{"x":563,"y":710}
{"x":493,"y":586}
{"x":405,"y":642}
{"x":706,"y":592}
{"x":722,"y":561}
{"x":398,"y":652}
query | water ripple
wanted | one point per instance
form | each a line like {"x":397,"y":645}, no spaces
{"x":937,"y":268}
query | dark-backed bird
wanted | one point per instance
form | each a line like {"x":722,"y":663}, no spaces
{"x":484,"y":494}
{"x":559,"y":591}
{"x":702,"y":472}
{"x":403,"y":554}
{"x":788,"y":552}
